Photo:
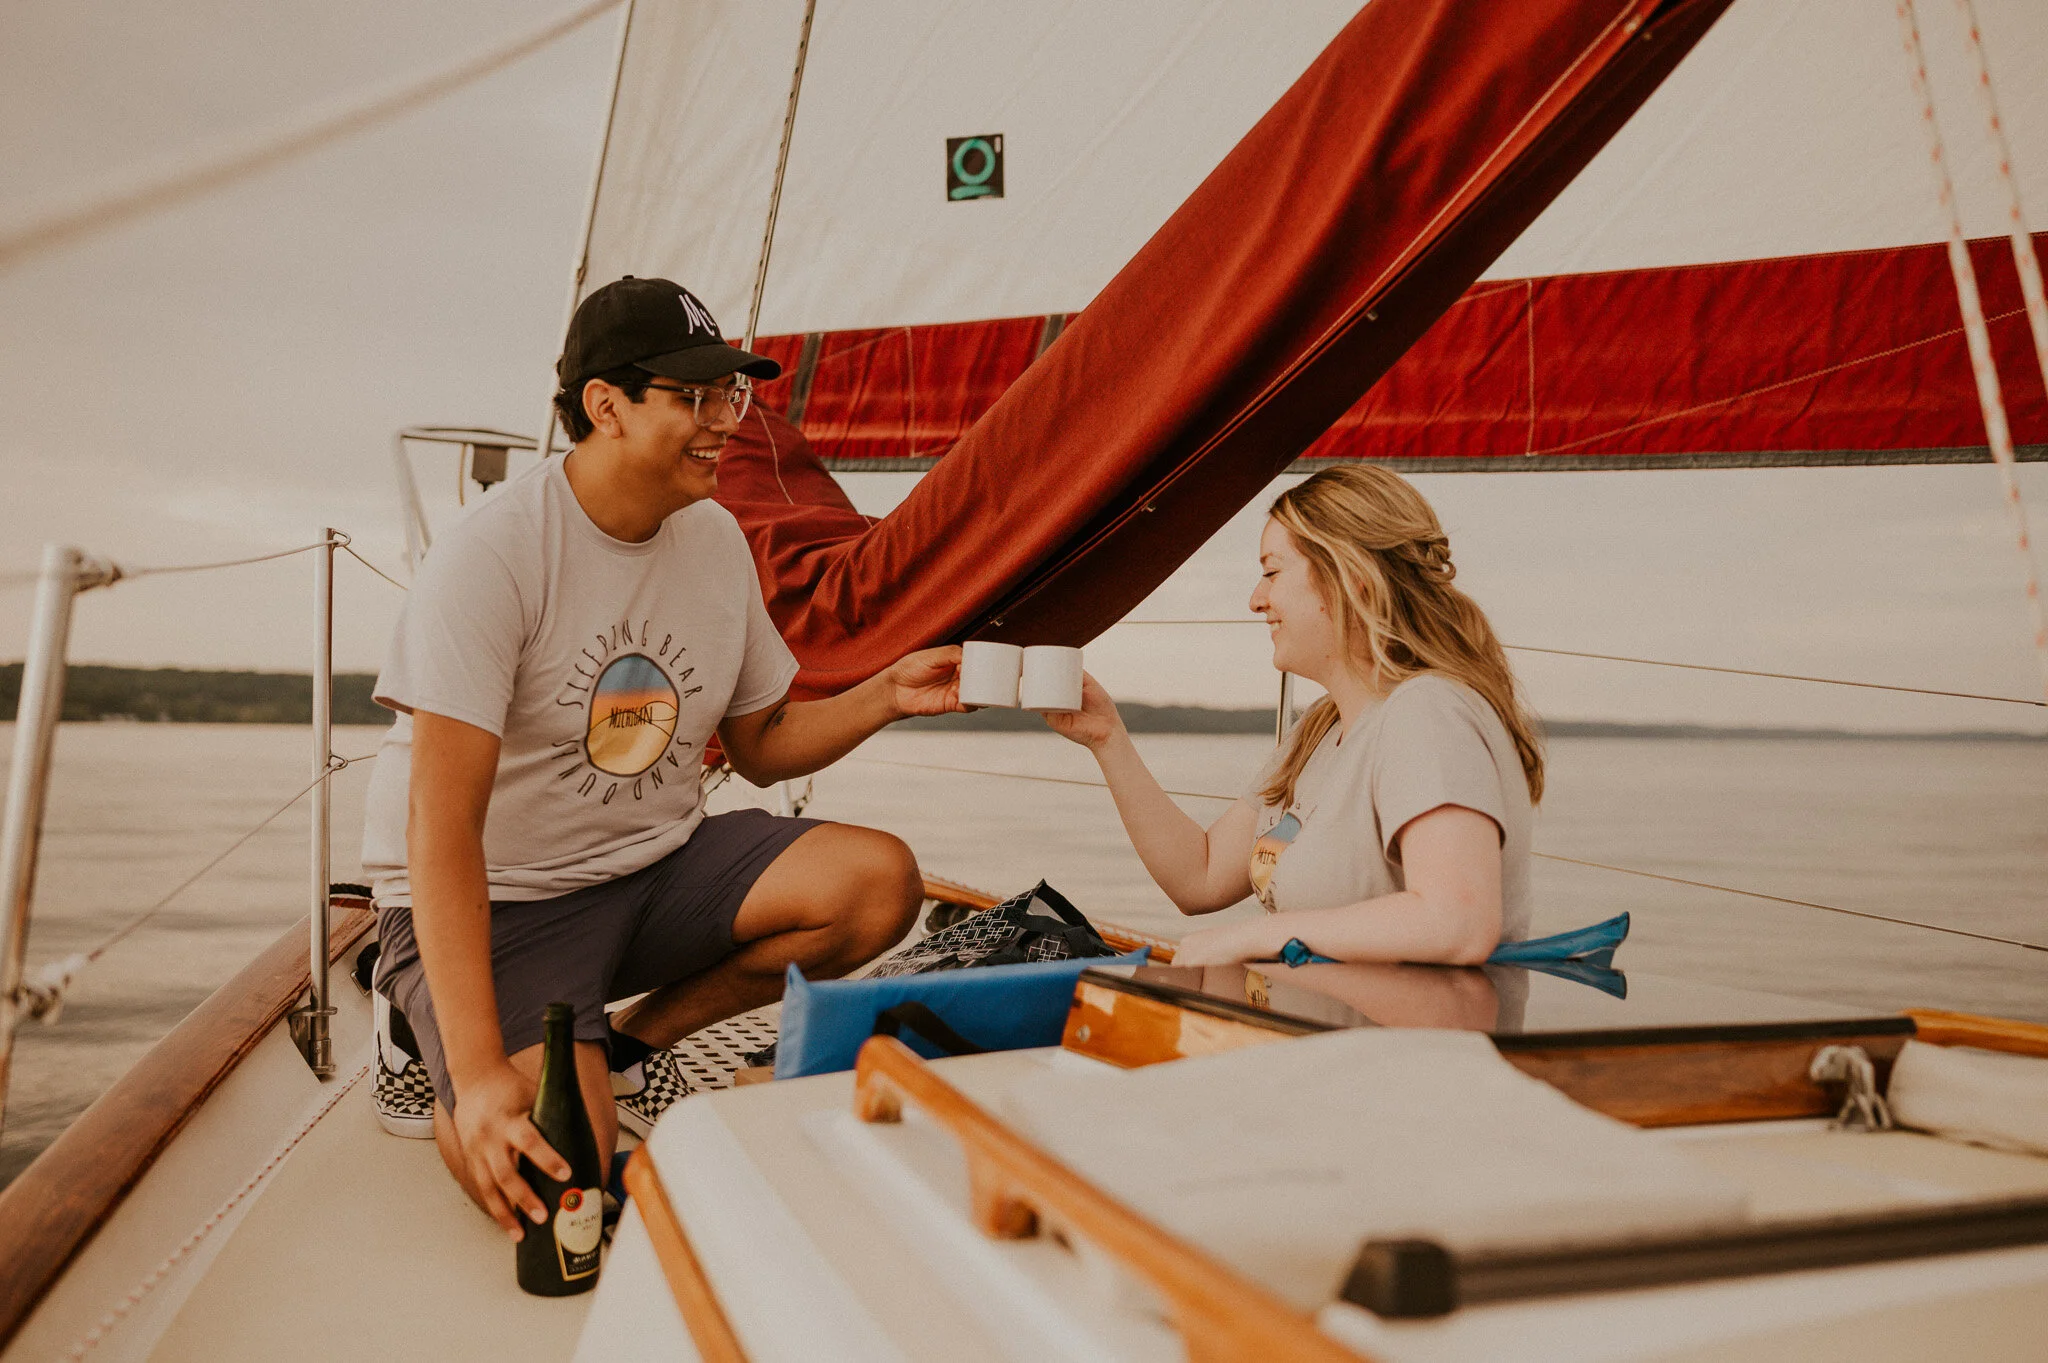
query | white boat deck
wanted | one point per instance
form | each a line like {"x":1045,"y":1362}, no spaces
{"x":829,"y":1239}
{"x":358,"y":1245}
{"x":825,"y":1237}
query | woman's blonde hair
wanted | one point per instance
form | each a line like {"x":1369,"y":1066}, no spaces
{"x":1382,"y":563}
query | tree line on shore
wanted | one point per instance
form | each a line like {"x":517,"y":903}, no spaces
{"x":175,"y":695}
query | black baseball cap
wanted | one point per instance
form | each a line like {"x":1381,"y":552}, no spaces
{"x":657,"y":325}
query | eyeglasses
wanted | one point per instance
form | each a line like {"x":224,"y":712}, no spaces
{"x":737,"y":396}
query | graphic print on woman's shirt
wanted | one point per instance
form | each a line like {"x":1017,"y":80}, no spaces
{"x":1266,"y":856}
{"x":631,"y":703}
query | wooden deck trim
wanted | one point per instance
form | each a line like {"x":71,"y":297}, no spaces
{"x":1222,"y":1316}
{"x":953,"y":892}
{"x":1943,"y":1028}
{"x":1122,"y":938}
{"x":1681,"y":1076}
{"x":695,"y":1298}
{"x":52,"y":1210}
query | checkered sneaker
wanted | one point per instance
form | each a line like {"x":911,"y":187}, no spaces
{"x":403,"y":1094}
{"x":645,"y":1090}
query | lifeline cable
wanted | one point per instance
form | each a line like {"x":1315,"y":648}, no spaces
{"x":1547,"y":856}
{"x":121,"y":573}
{"x":1983,"y":364}
{"x":182,"y":183}
{"x":42,"y":996}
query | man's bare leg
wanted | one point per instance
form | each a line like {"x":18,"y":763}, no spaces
{"x":835,"y":899}
{"x":592,"y":1073}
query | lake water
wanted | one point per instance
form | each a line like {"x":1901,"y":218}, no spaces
{"x":1947,"y":833}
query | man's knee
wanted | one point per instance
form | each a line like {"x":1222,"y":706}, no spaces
{"x":886,"y":890}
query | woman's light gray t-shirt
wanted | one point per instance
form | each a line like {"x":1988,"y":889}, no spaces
{"x":602,"y":666}
{"x":1433,"y":741}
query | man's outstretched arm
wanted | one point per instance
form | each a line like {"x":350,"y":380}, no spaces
{"x":795,"y":738}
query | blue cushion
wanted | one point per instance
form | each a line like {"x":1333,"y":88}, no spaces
{"x":1002,"y":1008}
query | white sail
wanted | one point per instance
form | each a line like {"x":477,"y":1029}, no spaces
{"x":1791,"y":130}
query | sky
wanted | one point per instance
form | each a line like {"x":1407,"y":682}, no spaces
{"x":225,"y":378}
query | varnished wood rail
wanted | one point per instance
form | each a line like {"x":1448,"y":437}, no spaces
{"x":708,"y":1324}
{"x":1974,"y":1029}
{"x":1653,"y":1076}
{"x":51,"y":1210}
{"x":1014,"y":1186}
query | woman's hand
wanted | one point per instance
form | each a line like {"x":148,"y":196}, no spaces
{"x":1229,"y":944}
{"x":494,"y":1129}
{"x":926,"y":682}
{"x":1094,"y":724}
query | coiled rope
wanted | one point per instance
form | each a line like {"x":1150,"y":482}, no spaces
{"x":1547,"y":856}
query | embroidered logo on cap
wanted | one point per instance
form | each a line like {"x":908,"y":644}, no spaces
{"x":694,"y":313}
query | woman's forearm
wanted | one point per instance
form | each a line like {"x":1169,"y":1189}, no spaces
{"x":1175,"y":850}
{"x":1404,"y":926}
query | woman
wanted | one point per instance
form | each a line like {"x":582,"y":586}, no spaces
{"x":1394,"y":825}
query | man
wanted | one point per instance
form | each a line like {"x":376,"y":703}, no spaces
{"x":535,"y":831}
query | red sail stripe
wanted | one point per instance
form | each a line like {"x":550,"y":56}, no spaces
{"x":1856,"y":351}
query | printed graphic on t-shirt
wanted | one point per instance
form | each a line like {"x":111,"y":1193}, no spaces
{"x":1266,"y":856}
{"x":631,"y":692}
{"x":632,"y":716}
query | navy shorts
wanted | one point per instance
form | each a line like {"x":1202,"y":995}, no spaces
{"x":665,"y":922}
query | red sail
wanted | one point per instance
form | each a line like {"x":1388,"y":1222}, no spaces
{"x":1422,"y":142}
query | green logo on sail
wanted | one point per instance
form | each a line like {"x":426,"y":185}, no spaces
{"x":974,"y":167}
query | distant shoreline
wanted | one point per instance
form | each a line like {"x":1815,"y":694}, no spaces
{"x":172,"y":695}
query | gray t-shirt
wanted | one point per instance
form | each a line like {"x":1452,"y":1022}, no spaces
{"x":1433,"y":741}
{"x":602,"y":666}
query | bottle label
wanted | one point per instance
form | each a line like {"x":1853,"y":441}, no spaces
{"x":579,"y":1226}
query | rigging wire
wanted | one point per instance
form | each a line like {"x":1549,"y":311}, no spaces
{"x":1983,"y":364}
{"x":1547,"y":856}
{"x":2026,"y":262}
{"x":796,"y":85}
{"x":1802,"y":903}
{"x":349,"y":549}
{"x":203,"y":175}
{"x":43,"y":995}
{"x":1688,"y":667}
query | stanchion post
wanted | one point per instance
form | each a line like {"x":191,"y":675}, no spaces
{"x":65,"y":572}
{"x":310,"y":1024}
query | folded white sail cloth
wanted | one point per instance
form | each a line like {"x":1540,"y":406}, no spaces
{"x":1282,"y":1159}
{"x":1984,"y":1097}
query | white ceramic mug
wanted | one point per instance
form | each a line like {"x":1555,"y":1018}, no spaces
{"x":989,"y":673}
{"x":1052,"y":678}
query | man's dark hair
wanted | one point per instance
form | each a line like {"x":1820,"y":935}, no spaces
{"x":631,"y":378}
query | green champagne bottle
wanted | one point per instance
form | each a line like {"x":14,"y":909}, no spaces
{"x":560,"y":1257}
